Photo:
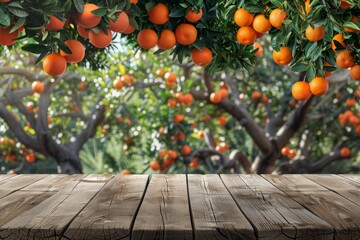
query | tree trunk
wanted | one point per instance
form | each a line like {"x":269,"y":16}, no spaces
{"x":68,"y":162}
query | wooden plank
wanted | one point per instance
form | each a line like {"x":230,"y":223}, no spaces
{"x":272,"y":213}
{"x":346,"y":188}
{"x":164,"y":212}
{"x":50,"y":218}
{"x":215,"y":214}
{"x":5,"y":176}
{"x":54,"y":182}
{"x":340,"y":213}
{"x":353,"y":177}
{"x":13,"y":184}
{"x":110,"y":214}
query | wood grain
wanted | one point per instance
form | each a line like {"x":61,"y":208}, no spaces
{"x":10,"y":185}
{"x":110,"y":214}
{"x":51,"y":217}
{"x":5,"y":176}
{"x":164,"y":212}
{"x":344,"y":187}
{"x":214,"y":212}
{"x":272,"y":213}
{"x":353,"y":177}
{"x":340,"y":213}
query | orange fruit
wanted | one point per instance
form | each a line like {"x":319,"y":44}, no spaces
{"x":37,"y":87}
{"x":134,"y":1}
{"x":171,"y":102}
{"x":265,"y":100}
{"x":285,"y":151}
{"x":327,"y":74}
{"x":159,"y":14}
{"x":277,"y":17}
{"x":222,"y":120}
{"x":77,"y":51}
{"x":173,"y":154}
{"x":345,"y":152}
{"x":307,"y":6}
{"x":291,"y":154}
{"x":54,"y":64}
{"x":185,"y":150}
{"x":261,"y":24}
{"x":319,"y":86}
{"x":345,"y":5}
{"x":215,"y":97}
{"x":188,"y":99}
{"x":282,"y":57}
{"x":315,"y":34}
{"x":147,"y":38}
{"x":118,"y":83}
{"x":301,"y":91}
{"x":125,"y":172}
{"x":243,"y":18}
{"x":130,"y":29}
{"x":179,"y":118}
{"x":55,"y":24}
{"x":121,"y":23}
{"x":82,"y":86}
{"x":344,"y":59}
{"x":7,"y":38}
{"x":353,"y":19}
{"x":30,"y":158}
{"x":224,"y":93}
{"x":87,"y":19}
{"x":256,"y":95}
{"x":170,"y":77}
{"x":201,"y":57}
{"x":127,"y":79}
{"x":155,"y":165}
{"x":180,"y":97}
{"x":206,"y":118}
{"x":186,"y":34}
{"x":246,"y":35}
{"x":82,"y":32}
{"x":339,"y":38}
{"x":167,"y":39}
{"x":101,"y":39}
{"x":160,"y":72}
{"x":194,"y":163}
{"x":193,"y":16}
{"x":259,"y":47}
{"x":355,"y":72}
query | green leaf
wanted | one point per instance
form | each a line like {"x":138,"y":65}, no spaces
{"x":34,"y":48}
{"x":4,"y":18}
{"x":352,"y":25}
{"x":16,"y":9}
{"x":18,"y":24}
{"x":100,"y":12}
{"x":299,"y":67}
{"x":79,"y":5}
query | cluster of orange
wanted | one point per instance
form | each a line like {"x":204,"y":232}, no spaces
{"x":168,"y":157}
{"x":185,"y":34}
{"x":288,"y":152}
{"x":256,"y":95}
{"x":218,"y":96}
{"x":127,"y":80}
{"x":350,"y":118}
{"x":9,"y":150}
{"x":180,"y":98}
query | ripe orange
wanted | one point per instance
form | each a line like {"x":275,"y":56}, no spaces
{"x":256,"y":95}
{"x":215,"y":97}
{"x":101,"y":39}
{"x":82,"y":32}
{"x":38,"y":87}
{"x":285,"y":151}
{"x":170,"y":77}
{"x":160,"y":72}
{"x":186,"y":34}
{"x":185,"y":150}
{"x":291,"y":154}
{"x":327,"y":74}
{"x":224,"y":93}
{"x":243,"y":18}
{"x":134,"y":1}
{"x":125,"y":172}
{"x":87,"y":19}
{"x":179,"y":118}
{"x":282,"y":57}
{"x":265,"y":100}
{"x":193,"y":16}
{"x":130,"y":29}
{"x":55,"y":24}
{"x":259,"y":47}
{"x":77,"y":51}
{"x":121,"y":23}
{"x":222,"y":120}
{"x":307,"y":6}
{"x":171,"y":102}
{"x":188,"y":99}
{"x":167,"y":39}
{"x":301,"y":91}
{"x":261,"y":24}
{"x":155,"y":165}
{"x":339,"y":38}
{"x":345,"y":5}
{"x":201,"y":57}
{"x":345,"y":152}
{"x":127,"y":79}
{"x":159,"y":14}
{"x":315,"y":34}
{"x":194,"y":163}
{"x":246,"y":35}
{"x":277,"y":17}
{"x":118,"y":83}
{"x":54,"y":64}
{"x":173,"y":154}
{"x":319,"y":86}
{"x":147,"y":38}
{"x":344,"y":59}
{"x":355,"y":72}
{"x":82,"y":86}
{"x":7,"y":38}
{"x":353,"y":19}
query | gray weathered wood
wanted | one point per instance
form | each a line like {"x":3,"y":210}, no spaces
{"x":340,"y":213}
{"x":51,"y":217}
{"x":10,"y":185}
{"x":110,"y":214}
{"x":272,"y":213}
{"x":353,"y":177}
{"x":164,"y":212}
{"x":345,"y":187}
{"x":5,"y":176}
{"x":214,"y":212}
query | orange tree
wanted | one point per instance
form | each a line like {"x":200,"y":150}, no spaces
{"x":312,"y":37}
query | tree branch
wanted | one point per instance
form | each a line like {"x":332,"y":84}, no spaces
{"x":236,"y":155}
{"x":24,"y":73}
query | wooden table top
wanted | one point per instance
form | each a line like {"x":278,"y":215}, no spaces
{"x":180,"y":207}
